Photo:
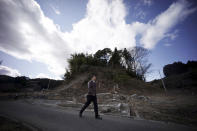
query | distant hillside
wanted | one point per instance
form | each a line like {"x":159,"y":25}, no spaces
{"x":21,"y":84}
{"x":179,"y":68}
{"x":180,"y":76}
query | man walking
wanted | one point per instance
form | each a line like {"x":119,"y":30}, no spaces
{"x":91,"y":97}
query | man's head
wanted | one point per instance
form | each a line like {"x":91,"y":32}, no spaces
{"x":94,"y":77}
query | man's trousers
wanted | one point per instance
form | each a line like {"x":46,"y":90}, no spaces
{"x":91,"y":98}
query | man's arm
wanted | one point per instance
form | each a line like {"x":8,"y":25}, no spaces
{"x":90,"y":84}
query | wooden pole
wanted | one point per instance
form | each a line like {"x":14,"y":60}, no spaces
{"x":48,"y":84}
{"x":162,"y":82}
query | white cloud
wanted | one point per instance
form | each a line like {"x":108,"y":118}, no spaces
{"x":4,"y":70}
{"x":55,"y":10}
{"x":42,"y":75}
{"x":172,"y":35}
{"x":157,"y":29}
{"x":26,"y":33}
{"x":103,"y":26}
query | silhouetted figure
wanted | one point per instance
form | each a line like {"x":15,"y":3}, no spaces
{"x":91,"y":97}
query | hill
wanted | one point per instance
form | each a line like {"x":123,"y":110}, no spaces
{"x":25,"y":84}
{"x":180,"y":76}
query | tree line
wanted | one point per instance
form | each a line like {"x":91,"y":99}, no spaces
{"x":179,"y":68}
{"x":133,"y":60}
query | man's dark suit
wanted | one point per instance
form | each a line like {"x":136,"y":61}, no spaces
{"x":91,"y":97}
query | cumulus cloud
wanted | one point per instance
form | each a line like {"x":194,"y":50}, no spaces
{"x":42,"y":75}
{"x":157,"y":29}
{"x":103,"y":26}
{"x":4,"y":70}
{"x":173,"y":34}
{"x":26,"y":33}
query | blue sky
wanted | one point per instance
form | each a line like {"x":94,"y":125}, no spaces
{"x":37,"y":37}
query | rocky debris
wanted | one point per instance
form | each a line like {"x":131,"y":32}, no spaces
{"x":104,"y":95}
{"x":124,"y":108}
{"x":136,"y":104}
{"x":105,"y":109}
{"x":141,"y":97}
{"x":133,"y":95}
{"x":109,"y":108}
{"x":117,"y":103}
{"x":123,"y":97}
{"x":115,"y":108}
